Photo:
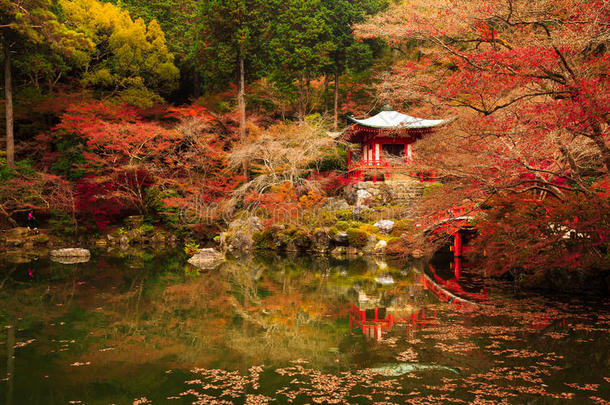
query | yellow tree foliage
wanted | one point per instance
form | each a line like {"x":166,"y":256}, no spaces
{"x":130,"y":58}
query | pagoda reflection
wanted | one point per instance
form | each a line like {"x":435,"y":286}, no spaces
{"x":412,"y":307}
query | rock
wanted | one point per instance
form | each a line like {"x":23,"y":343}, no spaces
{"x":238,"y":238}
{"x":380,"y":247}
{"x":357,"y":212}
{"x":335,"y":204}
{"x":385,"y":280}
{"x":70,"y":260}
{"x":124,"y":240}
{"x":207,"y":259}
{"x":101,"y":243}
{"x":340,"y":238}
{"x":385,"y":226}
{"x":320,"y":241}
{"x":362,"y":197}
{"x":339,"y":251}
{"x":370,"y":244}
{"x":19,"y":257}
{"x":18,"y":233}
{"x":158,"y":238}
{"x":70,"y":256}
{"x":417,"y":253}
{"x":40,"y":239}
{"x":352,"y":251}
{"x":14,"y":242}
{"x":134,"y":221}
{"x":70,"y":252}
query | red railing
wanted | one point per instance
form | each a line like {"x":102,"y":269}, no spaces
{"x":358,"y":170}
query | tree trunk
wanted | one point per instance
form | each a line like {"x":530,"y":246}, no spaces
{"x":301,"y":102}
{"x":8,"y":92}
{"x":326,"y":84}
{"x":196,"y":84}
{"x":598,"y":138}
{"x":241,"y":106}
{"x":336,"y":126}
{"x":241,"y":97}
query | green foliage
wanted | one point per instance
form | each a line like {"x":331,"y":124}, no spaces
{"x":344,"y":215}
{"x":62,"y":224}
{"x":71,"y":159}
{"x":264,"y":240}
{"x":225,"y":29}
{"x":357,"y":237}
{"x":145,"y":228}
{"x":23,"y":168}
{"x":433,"y":188}
{"x":342,"y":225}
{"x":191,"y":248}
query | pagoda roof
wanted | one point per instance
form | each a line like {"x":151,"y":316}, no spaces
{"x":396,"y":120}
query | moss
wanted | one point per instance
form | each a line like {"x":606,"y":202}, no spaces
{"x":342,"y":225}
{"x":344,"y":215}
{"x":264,"y":240}
{"x":432,"y":188}
{"x":368,"y":228}
{"x":402,"y":226}
{"x":357,"y":237}
{"x":333,"y":231}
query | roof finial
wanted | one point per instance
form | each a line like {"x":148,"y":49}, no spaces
{"x":387,"y":107}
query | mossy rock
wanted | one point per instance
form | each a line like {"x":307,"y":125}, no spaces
{"x":344,"y":215}
{"x":342,"y":225}
{"x":40,"y":239}
{"x":357,"y":237}
{"x":368,"y":228}
{"x":134,"y":221}
{"x":264,"y":240}
{"x":402,"y":226}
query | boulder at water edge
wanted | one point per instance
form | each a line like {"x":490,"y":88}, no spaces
{"x":385,"y":226}
{"x":70,"y":255}
{"x":207,"y":259}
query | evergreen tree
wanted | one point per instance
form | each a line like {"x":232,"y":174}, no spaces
{"x":25,"y":25}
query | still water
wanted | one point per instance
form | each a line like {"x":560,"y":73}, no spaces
{"x":144,"y":328}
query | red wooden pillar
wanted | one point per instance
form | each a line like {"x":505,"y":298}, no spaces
{"x":349,"y":159}
{"x":457,"y":267}
{"x":457,"y":244}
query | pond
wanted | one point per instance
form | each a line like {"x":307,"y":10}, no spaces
{"x":141,"y":328}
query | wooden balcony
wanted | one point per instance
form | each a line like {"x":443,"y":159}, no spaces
{"x":395,"y":168}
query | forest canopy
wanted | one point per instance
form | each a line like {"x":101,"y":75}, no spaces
{"x":115,"y":108}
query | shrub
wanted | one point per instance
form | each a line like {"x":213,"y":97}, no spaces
{"x":191,"y":248}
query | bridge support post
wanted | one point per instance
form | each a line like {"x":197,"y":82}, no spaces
{"x":457,"y":244}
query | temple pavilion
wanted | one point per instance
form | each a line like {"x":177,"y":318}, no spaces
{"x":386,"y":146}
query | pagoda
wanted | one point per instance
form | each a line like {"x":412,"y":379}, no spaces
{"x":386,"y":146}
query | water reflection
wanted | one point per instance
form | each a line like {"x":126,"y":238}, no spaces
{"x":135,"y":326}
